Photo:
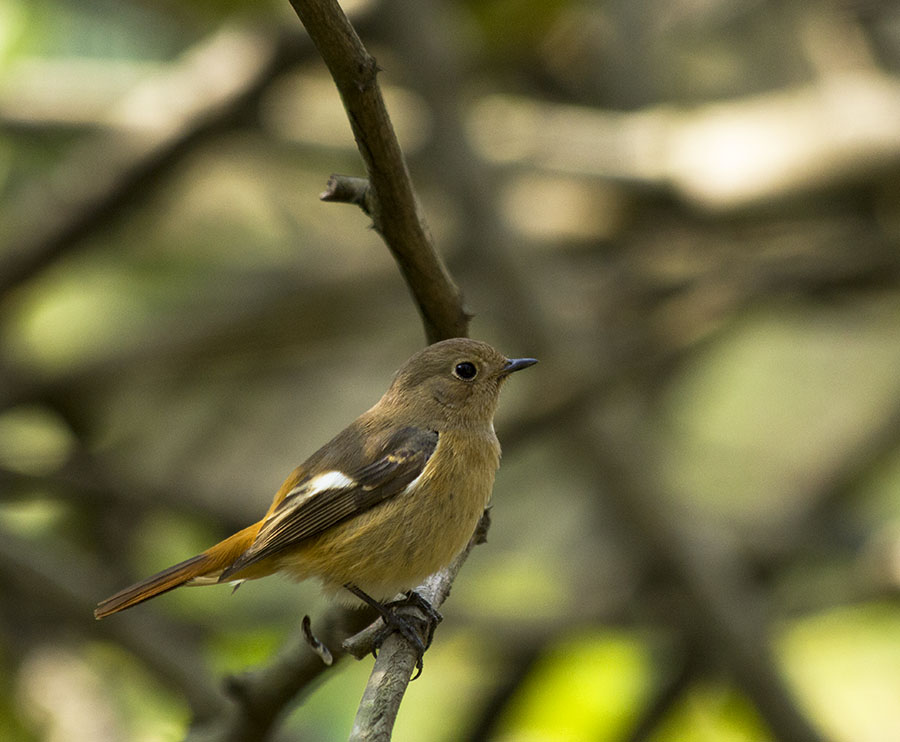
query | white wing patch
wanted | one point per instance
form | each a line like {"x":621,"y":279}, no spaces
{"x":329,"y":480}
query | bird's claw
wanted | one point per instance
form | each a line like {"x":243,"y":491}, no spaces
{"x":411,"y":627}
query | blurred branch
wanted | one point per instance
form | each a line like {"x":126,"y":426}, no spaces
{"x":53,"y":590}
{"x":522,"y":658}
{"x":230,"y":330}
{"x":721,"y":156}
{"x":258,"y":699}
{"x":831,"y":490}
{"x":395,"y":210}
{"x":725,"y":614}
{"x":666,"y":696}
{"x":859,"y":463}
{"x":211,"y":88}
{"x":84,"y":478}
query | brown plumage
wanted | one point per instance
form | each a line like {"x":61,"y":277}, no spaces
{"x":388,"y":501}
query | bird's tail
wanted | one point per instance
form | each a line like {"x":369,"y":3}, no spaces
{"x":203,"y":569}
{"x":158,"y":584}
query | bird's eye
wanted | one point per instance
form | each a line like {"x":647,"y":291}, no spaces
{"x":465,"y":371}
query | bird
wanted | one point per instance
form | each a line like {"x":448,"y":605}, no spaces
{"x":388,"y":501}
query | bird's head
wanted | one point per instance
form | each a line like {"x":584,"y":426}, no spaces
{"x":454,"y":383}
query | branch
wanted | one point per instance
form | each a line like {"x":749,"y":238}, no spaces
{"x":349,"y":190}
{"x":397,"y":657}
{"x":521,"y":661}
{"x":425,"y":37}
{"x":391,"y":202}
{"x":394,"y":209}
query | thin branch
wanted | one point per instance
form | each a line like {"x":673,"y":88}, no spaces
{"x":426,"y":37}
{"x":392,"y":204}
{"x":349,"y":189}
{"x":84,"y":478}
{"x":394,"y":209}
{"x":397,"y":657}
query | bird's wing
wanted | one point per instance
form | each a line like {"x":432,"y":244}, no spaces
{"x":329,"y":496}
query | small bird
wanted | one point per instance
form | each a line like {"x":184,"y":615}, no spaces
{"x":391,"y":499}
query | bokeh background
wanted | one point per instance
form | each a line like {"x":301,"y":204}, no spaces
{"x":689,"y":210}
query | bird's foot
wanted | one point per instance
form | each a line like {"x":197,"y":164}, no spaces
{"x":417,"y":626}
{"x":429,"y":619}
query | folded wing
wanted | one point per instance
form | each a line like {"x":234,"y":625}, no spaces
{"x":326,"y":498}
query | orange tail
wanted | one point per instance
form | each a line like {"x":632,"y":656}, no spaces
{"x":208,"y":565}
{"x":158,"y":584}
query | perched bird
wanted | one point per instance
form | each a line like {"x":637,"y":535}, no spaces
{"x":388,"y":501}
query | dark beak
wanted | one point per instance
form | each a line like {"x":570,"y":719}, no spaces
{"x":517,"y":364}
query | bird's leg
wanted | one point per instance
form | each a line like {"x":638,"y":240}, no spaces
{"x":410,"y":626}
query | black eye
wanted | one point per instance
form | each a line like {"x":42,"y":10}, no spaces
{"x":465,"y":371}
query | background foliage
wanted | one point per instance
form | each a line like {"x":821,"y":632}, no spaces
{"x":689,"y":211}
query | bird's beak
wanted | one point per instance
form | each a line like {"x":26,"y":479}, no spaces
{"x":517,"y":364}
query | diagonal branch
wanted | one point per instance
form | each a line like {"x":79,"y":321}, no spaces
{"x":394,"y":208}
